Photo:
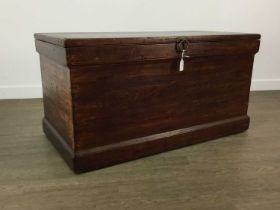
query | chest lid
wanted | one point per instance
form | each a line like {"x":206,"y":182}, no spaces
{"x":96,"y":48}
{"x":96,"y":38}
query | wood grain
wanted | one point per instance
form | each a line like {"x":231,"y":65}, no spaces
{"x":119,"y":38}
{"x":103,"y":91}
{"x":57,"y":98}
{"x":136,"y":100}
{"x":102,"y":54}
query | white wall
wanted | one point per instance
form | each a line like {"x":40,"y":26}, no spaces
{"x":19,"y":63}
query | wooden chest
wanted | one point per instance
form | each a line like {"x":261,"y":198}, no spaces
{"x":115,"y":97}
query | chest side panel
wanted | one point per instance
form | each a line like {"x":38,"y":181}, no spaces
{"x":119,"y":102}
{"x":57,"y":98}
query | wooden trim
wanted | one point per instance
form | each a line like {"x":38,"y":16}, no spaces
{"x":81,"y":56}
{"x":108,"y":155}
{"x":51,"y":51}
{"x":59,"y":143}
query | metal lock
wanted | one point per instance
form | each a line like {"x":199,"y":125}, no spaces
{"x":181,"y":47}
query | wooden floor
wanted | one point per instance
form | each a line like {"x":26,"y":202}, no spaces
{"x":236,"y":172}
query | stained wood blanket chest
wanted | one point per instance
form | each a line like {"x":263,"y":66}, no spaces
{"x":113,"y":97}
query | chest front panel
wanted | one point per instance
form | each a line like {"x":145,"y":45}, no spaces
{"x":120,"y":102}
